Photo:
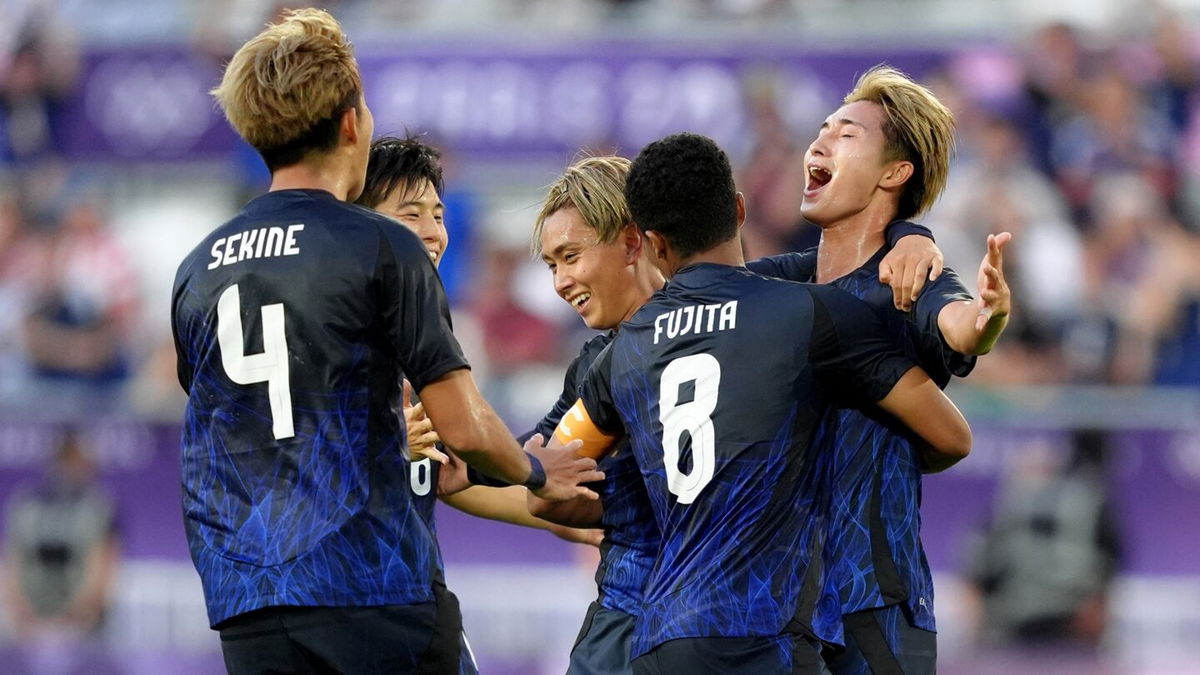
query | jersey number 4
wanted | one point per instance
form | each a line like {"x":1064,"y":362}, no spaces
{"x":270,"y":366}
{"x":694,"y":417}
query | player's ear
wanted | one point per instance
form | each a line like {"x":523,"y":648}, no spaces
{"x":632,"y":238}
{"x":896,"y":174}
{"x":741,"y":209}
{"x":658,"y":246}
{"x":348,"y":126}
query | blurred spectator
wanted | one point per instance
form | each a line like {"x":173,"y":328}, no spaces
{"x":78,"y":330}
{"x":773,"y":179}
{"x":1045,"y":564}
{"x":1114,"y":130}
{"x":61,"y":549}
{"x":995,"y":188}
{"x":1142,"y":283}
{"x":38,"y":67}
{"x":20,"y":259}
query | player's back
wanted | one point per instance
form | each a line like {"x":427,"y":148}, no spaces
{"x":292,"y":321}
{"x":720,"y":381}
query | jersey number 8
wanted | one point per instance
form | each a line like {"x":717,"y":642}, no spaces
{"x":270,"y":366}
{"x":693,"y":417}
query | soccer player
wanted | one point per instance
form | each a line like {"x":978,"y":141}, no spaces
{"x":291,"y":323}
{"x":587,"y":238}
{"x":883,"y":157}
{"x":404,"y":181}
{"x":719,"y":382}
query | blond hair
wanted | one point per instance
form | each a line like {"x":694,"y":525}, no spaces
{"x":286,"y":89}
{"x":594,"y":186}
{"x":917,"y":127}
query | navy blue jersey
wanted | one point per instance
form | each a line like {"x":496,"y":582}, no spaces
{"x":292,"y":324}
{"x":719,"y":383}
{"x":874,"y":553}
{"x":631,"y":537}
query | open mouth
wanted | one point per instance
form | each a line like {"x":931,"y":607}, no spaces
{"x":434,"y":254}
{"x":818,"y":177}
{"x":580,"y":300}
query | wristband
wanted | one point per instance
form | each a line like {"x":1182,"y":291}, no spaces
{"x":537,"y":474}
{"x":899,"y":229}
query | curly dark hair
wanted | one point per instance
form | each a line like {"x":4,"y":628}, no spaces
{"x":398,"y":162}
{"x":682,"y":187}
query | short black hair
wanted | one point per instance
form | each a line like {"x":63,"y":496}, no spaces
{"x":682,"y":187}
{"x":399,"y":161}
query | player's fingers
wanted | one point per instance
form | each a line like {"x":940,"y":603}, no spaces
{"x":535,"y":441}
{"x":935,"y":270}
{"x":585,"y":464}
{"x":430,"y":452}
{"x":418,"y":410}
{"x":406,"y":393}
{"x":922,"y":272}
{"x":910,"y":280}
{"x":586,"y":493}
{"x":897,"y":283}
{"x":885,"y":272}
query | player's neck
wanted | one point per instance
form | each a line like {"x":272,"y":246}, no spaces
{"x":329,"y":176}
{"x":726,"y":253}
{"x":847,"y":244}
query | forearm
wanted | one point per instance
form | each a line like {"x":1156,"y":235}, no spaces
{"x":918,"y":403}
{"x":958,"y":321}
{"x":505,"y":504}
{"x":468,"y":426}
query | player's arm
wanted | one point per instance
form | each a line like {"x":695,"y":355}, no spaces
{"x":413,"y":308}
{"x":508,"y":505}
{"x":917,"y":401}
{"x":859,"y":362}
{"x":576,"y":426}
{"x":472,"y":429}
{"x":972,"y":327}
{"x":914,"y":258}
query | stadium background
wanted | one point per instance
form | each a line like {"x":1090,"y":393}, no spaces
{"x":1078,"y":132}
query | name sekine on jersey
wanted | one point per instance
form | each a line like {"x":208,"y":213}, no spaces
{"x":263,"y":242}
{"x":696,"y":319}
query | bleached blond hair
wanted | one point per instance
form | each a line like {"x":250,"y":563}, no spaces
{"x":594,"y":186}
{"x":286,"y":89}
{"x":917,"y":127}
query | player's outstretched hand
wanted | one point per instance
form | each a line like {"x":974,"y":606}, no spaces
{"x":565,"y":470}
{"x":995,"y":299}
{"x":907,"y":266}
{"x":422,"y":438}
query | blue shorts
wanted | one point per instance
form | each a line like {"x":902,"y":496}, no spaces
{"x":602,"y":647}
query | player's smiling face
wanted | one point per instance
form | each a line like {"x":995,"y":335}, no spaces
{"x":844,"y":165}
{"x":594,"y":278}
{"x":420,"y":209}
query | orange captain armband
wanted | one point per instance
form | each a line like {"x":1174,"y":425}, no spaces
{"x":577,"y":425}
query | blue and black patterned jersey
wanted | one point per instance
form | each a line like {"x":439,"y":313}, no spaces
{"x":631,"y":537}
{"x":719,"y":383}
{"x":874,"y":551}
{"x":292,"y":323}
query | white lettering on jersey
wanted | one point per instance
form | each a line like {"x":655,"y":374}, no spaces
{"x":264,"y":242}
{"x":695,"y":319}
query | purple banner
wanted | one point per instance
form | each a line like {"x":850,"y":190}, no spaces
{"x":1154,"y":477}
{"x":484,"y":100}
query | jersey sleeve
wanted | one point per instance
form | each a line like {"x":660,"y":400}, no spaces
{"x":850,"y":351}
{"x":788,"y":266}
{"x":414,"y":309}
{"x":946,"y":289}
{"x":570,"y":393}
{"x":595,"y":395}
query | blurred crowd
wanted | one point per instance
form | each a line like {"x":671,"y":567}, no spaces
{"x":1086,"y":146}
